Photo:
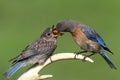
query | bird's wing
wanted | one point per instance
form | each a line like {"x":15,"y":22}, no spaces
{"x":33,"y":49}
{"x":94,"y":36}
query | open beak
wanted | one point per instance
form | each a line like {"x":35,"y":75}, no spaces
{"x":56,"y":32}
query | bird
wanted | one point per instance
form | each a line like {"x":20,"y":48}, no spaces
{"x":35,"y":53}
{"x":87,"y":38}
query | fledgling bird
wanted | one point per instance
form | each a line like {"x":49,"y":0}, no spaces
{"x":36,"y":52}
{"x":86,"y":37}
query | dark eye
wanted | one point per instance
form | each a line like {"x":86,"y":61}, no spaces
{"x":48,"y":34}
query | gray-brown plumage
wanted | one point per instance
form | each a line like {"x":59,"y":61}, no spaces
{"x":36,"y":52}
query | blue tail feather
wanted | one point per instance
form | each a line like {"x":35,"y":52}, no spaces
{"x":13,"y":69}
{"x":107,"y":59}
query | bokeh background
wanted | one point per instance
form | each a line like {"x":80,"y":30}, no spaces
{"x":22,"y":21}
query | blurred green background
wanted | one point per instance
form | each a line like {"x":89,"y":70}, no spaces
{"x":22,"y":21}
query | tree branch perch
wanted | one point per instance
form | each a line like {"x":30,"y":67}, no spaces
{"x":32,"y":73}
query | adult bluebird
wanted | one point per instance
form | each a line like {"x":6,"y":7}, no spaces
{"x":87,"y":38}
{"x":37,"y":52}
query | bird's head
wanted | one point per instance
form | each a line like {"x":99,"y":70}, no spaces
{"x":51,"y":32}
{"x":55,"y":32}
{"x":66,"y":25}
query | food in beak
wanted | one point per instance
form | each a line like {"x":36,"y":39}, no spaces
{"x":56,"y":32}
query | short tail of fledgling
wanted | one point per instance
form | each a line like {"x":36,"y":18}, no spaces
{"x":13,"y":69}
{"x":107,"y":59}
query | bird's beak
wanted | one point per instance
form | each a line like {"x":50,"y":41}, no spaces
{"x":56,"y":32}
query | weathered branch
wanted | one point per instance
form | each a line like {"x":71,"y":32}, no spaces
{"x":32,"y":73}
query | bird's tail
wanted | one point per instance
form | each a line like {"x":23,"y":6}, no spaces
{"x":107,"y":59}
{"x":13,"y":69}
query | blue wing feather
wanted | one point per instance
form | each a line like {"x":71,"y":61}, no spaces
{"x":93,"y":35}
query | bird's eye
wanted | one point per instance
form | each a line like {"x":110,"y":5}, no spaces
{"x":48,"y":34}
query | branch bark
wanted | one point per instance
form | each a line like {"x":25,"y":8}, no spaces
{"x":32,"y":73}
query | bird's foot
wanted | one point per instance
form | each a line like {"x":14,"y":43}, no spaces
{"x":84,"y":59}
{"x":77,"y":53}
{"x":87,"y":56}
{"x":51,"y":60}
